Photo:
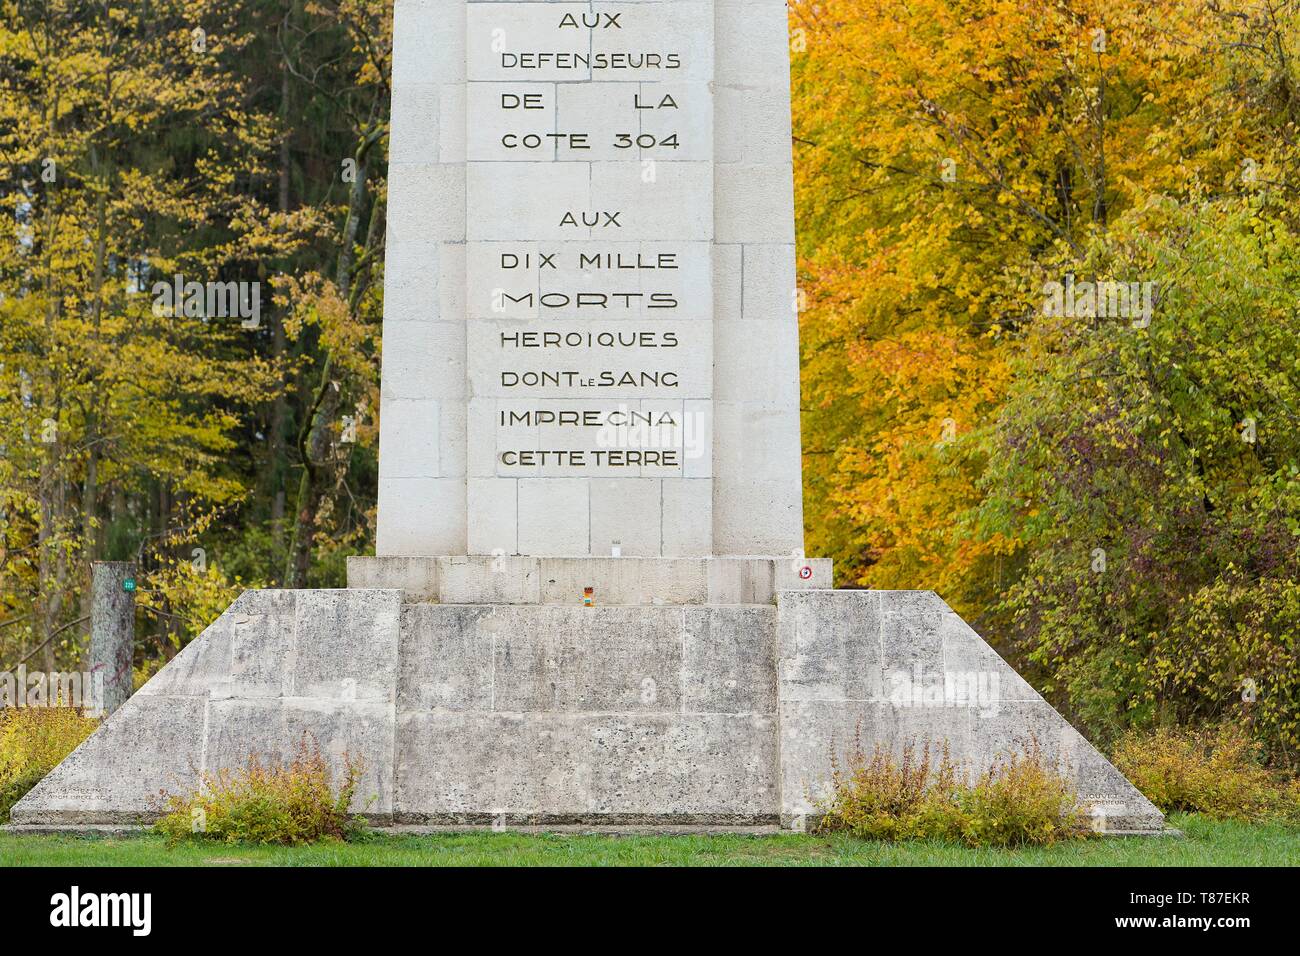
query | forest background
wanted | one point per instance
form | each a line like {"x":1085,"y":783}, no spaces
{"x":1051,"y":339}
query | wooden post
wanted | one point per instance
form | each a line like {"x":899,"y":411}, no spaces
{"x":112,"y":632}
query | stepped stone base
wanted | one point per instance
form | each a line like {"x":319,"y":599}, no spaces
{"x":703,"y":715}
{"x":657,"y":582}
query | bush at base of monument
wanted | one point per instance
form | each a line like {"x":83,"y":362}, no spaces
{"x":268,"y":803}
{"x":1019,"y":802}
{"x":32,"y":743}
{"x":1217,"y":772}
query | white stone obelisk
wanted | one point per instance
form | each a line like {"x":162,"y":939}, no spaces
{"x":590,"y":330}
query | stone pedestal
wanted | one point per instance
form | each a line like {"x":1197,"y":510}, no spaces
{"x":596,"y":582}
{"x":690,"y":715}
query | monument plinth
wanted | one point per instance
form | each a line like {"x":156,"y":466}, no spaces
{"x":589,"y":603}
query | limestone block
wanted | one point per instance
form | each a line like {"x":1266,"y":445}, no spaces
{"x":830,"y":649}
{"x":624,"y":768}
{"x":749,"y":581}
{"x":428,"y":42}
{"x":727,"y":660}
{"x":274,"y":730}
{"x":554,"y":516}
{"x":453,"y":145}
{"x":762,"y":362}
{"x":624,"y":581}
{"x":346,"y":645}
{"x":432,"y":202}
{"x":446,"y":662}
{"x":728,"y":282}
{"x":833,"y":647}
{"x":423,"y":360}
{"x":494,"y":503}
{"x":753,"y":43}
{"x":625,"y":514}
{"x":755,"y":517}
{"x":770,"y":293}
{"x":754,"y":202}
{"x":263,"y":628}
{"x":688,"y":516}
{"x":498,"y":579}
{"x":414,"y":137}
{"x":801,"y":573}
{"x":419,"y":516}
{"x":753,"y":125}
{"x":697,"y":442}
{"x":453,"y":453}
{"x":415,"y":577}
{"x":410,"y":439}
{"x":201,"y":664}
{"x":753,"y":443}
{"x":576,"y":659}
{"x":413,"y":281}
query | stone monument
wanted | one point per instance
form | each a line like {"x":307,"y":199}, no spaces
{"x":589,"y":603}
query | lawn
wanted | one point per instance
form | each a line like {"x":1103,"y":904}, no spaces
{"x":1205,"y":843}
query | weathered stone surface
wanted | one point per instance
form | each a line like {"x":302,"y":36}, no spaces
{"x":276,"y":666}
{"x":575,"y":767}
{"x":727,"y":660}
{"x":900,"y":669}
{"x":262,"y":627}
{"x":586,"y":660}
{"x":621,"y":581}
{"x":446,"y":661}
{"x":346,"y":645}
{"x":830,"y":650}
{"x":417,"y":578}
{"x":360,"y":731}
{"x":153,"y":742}
{"x":619,"y":715}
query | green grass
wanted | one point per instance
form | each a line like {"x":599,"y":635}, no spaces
{"x":1205,"y":843}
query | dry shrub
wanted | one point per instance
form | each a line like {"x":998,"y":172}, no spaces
{"x":268,"y":802}
{"x":1215,"y":771}
{"x":1021,"y":801}
{"x":33,"y":741}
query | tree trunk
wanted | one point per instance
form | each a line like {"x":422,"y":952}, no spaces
{"x":112,"y":633}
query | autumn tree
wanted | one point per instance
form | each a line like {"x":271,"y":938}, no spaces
{"x":955,"y":162}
